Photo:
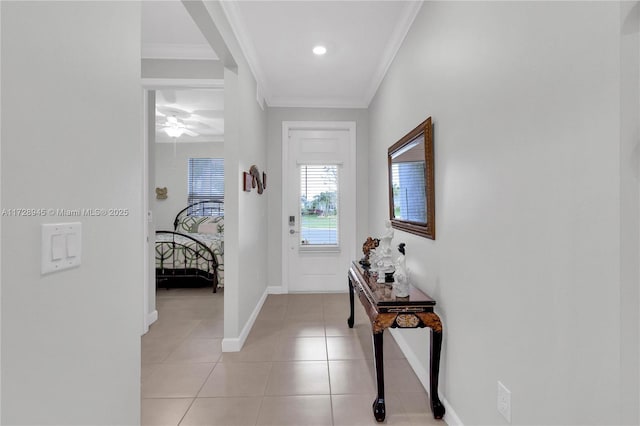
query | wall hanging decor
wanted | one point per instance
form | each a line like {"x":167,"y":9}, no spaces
{"x":257,"y":178}
{"x":411,"y":182}
{"x":246,"y":182}
{"x":254,"y":179}
{"x":161,"y":193}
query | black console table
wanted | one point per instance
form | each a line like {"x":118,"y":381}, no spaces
{"x":386,"y":310}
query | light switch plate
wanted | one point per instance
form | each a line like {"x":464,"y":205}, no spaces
{"x":61,"y":246}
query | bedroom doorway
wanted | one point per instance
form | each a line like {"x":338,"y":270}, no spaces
{"x":319,"y":204}
{"x":185,"y":325}
{"x":198,"y":105}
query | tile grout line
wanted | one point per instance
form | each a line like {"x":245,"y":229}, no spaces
{"x":263,"y":394}
{"x":180,"y":342}
{"x":200,"y":389}
{"x":326,"y":348}
{"x":186,"y":411}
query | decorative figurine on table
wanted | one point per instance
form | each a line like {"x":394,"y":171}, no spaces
{"x":367,"y":247}
{"x":382,"y":255}
{"x":401,"y":284}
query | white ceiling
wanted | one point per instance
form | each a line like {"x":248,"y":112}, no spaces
{"x":362,"y":38}
{"x":168,"y":32}
{"x":198,"y":110}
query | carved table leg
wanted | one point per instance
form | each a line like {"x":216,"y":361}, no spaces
{"x":379,"y":411}
{"x":350,"y":319}
{"x":436,"y":344}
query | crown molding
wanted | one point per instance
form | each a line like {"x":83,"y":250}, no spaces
{"x":196,"y":139}
{"x":177,"y":51}
{"x":182,"y":83}
{"x":237,"y":23}
{"x":391,"y":49}
{"x":315,"y":102}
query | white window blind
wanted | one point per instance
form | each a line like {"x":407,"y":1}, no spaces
{"x":206,"y":179}
{"x":319,"y":205}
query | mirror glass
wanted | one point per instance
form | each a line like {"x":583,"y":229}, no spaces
{"x":411,"y":197}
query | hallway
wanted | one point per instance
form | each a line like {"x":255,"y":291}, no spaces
{"x":301,"y":364}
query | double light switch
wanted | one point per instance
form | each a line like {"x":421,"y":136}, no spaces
{"x":61,"y":246}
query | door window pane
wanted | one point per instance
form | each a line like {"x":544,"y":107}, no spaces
{"x":319,"y":205}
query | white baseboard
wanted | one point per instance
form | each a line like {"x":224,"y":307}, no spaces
{"x":151,"y":318}
{"x":450,"y":415}
{"x":235,"y":344}
{"x":277,"y":289}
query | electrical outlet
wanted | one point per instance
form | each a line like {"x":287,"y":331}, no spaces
{"x":504,"y":401}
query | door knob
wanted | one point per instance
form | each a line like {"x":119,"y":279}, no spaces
{"x":292,"y":231}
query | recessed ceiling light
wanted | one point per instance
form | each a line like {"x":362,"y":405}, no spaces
{"x":319,"y":50}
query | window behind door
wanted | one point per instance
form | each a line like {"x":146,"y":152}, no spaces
{"x":206,"y":179}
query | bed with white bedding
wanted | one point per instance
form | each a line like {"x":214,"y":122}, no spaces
{"x":193,"y":253}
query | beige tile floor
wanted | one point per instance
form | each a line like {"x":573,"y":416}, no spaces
{"x":300,"y":365}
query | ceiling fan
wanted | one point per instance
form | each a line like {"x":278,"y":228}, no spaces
{"x":175,"y":127}
{"x":176,"y":120}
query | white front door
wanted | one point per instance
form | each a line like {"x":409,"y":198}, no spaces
{"x":319,"y":204}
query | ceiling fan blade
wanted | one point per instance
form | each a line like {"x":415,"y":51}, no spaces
{"x":196,"y":125}
{"x":190,"y":132}
{"x":173,"y":111}
{"x":208,"y":113}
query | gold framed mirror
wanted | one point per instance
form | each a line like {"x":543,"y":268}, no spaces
{"x":411,"y":182}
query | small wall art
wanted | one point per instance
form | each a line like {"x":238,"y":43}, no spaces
{"x":161,"y":193}
{"x":257,"y":178}
{"x":247,"y":181}
{"x":254,"y":179}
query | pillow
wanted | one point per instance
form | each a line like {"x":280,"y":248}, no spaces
{"x":208,"y":228}
{"x":213,"y":225}
{"x":201,"y":224}
{"x":190,"y":224}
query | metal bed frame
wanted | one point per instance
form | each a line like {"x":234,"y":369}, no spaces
{"x":169,"y":272}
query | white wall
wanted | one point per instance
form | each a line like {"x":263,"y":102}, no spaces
{"x":245,"y":144}
{"x":172,"y":171}
{"x":630,"y":212}
{"x":151,"y":314}
{"x":274,"y":174}
{"x":71,"y":340}
{"x":526,"y":268}
{"x":250,"y":148}
{"x":182,"y":68}
{"x":0,"y":219}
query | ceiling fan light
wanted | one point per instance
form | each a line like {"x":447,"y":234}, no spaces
{"x":174,"y":132}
